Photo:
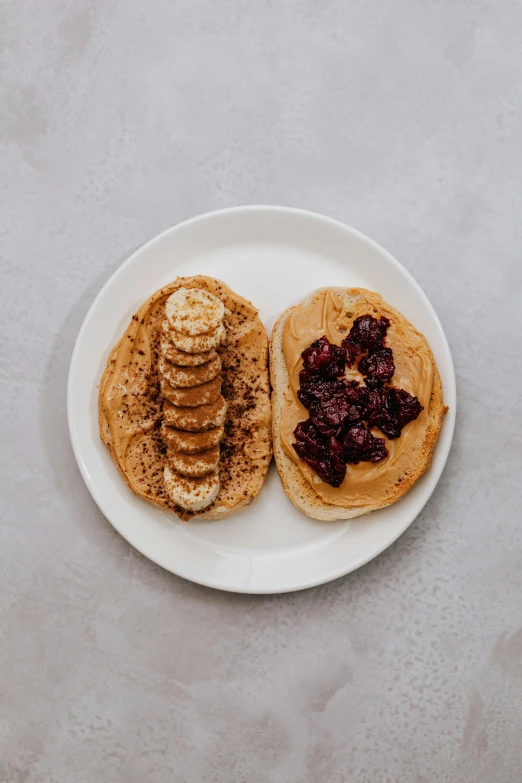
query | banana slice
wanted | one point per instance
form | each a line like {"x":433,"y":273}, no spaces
{"x":194,"y":397}
{"x":192,"y":494}
{"x":191,"y":442}
{"x":195,"y":465}
{"x":195,"y":419}
{"x":199,"y":343}
{"x":186,"y":377}
{"x":193,"y":311}
{"x":180,"y":358}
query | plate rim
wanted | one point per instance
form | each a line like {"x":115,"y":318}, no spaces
{"x":409,"y":518}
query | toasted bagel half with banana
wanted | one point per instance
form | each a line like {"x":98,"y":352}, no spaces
{"x":184,"y":402}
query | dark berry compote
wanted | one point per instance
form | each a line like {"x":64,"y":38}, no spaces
{"x":342,"y":412}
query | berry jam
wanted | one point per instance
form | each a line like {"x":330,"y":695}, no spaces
{"x":342,"y":412}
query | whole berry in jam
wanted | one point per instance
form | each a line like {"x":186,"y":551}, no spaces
{"x":378,"y":364}
{"x":342,"y":412}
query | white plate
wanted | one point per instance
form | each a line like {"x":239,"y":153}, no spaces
{"x":272,"y":256}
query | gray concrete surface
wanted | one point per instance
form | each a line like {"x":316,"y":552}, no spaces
{"x":120,"y":118}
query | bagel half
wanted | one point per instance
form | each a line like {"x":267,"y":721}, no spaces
{"x":358,"y":494}
{"x":133,"y":411}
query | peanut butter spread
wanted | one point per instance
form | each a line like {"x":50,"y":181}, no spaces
{"x":324,"y":314}
{"x":131,"y":402}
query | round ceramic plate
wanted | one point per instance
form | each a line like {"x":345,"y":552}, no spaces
{"x":272,"y":256}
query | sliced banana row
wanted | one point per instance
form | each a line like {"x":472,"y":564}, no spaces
{"x":194,"y":409}
{"x":181,"y":358}
{"x":194,"y":494}
{"x":185,"y":377}
{"x":195,"y":419}
{"x":199,"y":343}
{"x":194,"y":311}
{"x":191,"y":442}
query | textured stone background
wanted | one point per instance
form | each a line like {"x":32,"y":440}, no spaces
{"x":120,"y":118}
